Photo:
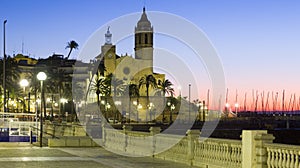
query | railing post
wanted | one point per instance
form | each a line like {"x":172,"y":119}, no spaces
{"x":253,"y":152}
{"x":103,"y":133}
{"x":153,"y":132}
{"x":126,"y":129}
{"x":192,"y":137}
{"x":53,"y":130}
{"x":30,"y":138}
{"x":261,"y":150}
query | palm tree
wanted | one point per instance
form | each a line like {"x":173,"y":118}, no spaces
{"x":117,"y":86}
{"x":71,"y":45}
{"x":12,"y":76}
{"x":165,"y":87}
{"x":60,"y":80}
{"x":78,"y":92}
{"x":133,"y":91}
{"x":99,"y":87}
{"x":172,"y":101}
{"x":148,"y":80}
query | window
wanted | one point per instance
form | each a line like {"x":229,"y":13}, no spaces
{"x":146,"y":38}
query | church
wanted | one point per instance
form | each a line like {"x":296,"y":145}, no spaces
{"x":131,"y":69}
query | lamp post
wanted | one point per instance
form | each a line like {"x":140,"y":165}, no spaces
{"x":137,"y":112}
{"x":179,"y":90}
{"x":24,"y":83}
{"x":4,"y":75}
{"x":172,"y":107}
{"x":227,"y":106}
{"x":139,"y":106}
{"x":150,"y":106}
{"x":63,"y":101}
{"x":107,"y":107}
{"x":117,"y":103}
{"x":189,"y":103}
{"x":41,"y":76}
{"x":200,"y":106}
{"x":236,"y":105}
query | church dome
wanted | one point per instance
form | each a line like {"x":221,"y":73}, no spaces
{"x":144,"y":24}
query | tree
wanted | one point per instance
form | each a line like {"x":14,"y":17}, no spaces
{"x":165,"y":87}
{"x":60,"y":81}
{"x":148,"y":80}
{"x":71,"y":45}
{"x":134,"y":92}
{"x":99,"y":86}
{"x":12,"y":77}
{"x":77,"y":94}
{"x":117,"y":86}
{"x":172,"y":101}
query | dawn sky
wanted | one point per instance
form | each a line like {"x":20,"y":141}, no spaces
{"x":257,"y":41}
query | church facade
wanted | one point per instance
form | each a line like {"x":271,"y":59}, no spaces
{"x":131,"y":69}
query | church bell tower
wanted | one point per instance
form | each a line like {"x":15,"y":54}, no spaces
{"x":108,"y":51}
{"x":144,"y":39}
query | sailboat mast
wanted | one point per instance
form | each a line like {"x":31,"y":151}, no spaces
{"x":245,"y":102}
{"x":282,"y":101}
{"x":267,"y":102}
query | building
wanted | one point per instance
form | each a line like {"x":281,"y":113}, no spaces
{"x":131,"y":69}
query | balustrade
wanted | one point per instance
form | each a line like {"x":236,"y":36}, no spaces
{"x":283,"y":156}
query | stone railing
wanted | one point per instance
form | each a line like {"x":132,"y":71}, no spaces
{"x":281,"y":156}
{"x":187,"y":149}
{"x":59,"y":130}
{"x":255,"y":149}
{"x":218,"y":152}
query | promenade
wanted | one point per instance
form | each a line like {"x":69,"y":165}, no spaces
{"x":25,"y":155}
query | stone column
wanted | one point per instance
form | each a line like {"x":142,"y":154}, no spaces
{"x":103,"y":125}
{"x":192,"y":137}
{"x":261,"y":151}
{"x":126,"y":129}
{"x":153,"y":132}
{"x":253,"y":152}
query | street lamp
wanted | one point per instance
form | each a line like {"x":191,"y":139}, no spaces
{"x":63,"y":101}
{"x":41,"y":76}
{"x":236,"y":105}
{"x":200,"y":106}
{"x":4,"y":75}
{"x":139,"y":106}
{"x":24,"y":83}
{"x":179,"y":90}
{"x":117,"y":103}
{"x":150,"y":106}
{"x":172,"y":107}
{"x":189,"y":103}
{"x":107,"y":107}
{"x":227,"y":106}
{"x":102,"y":102}
{"x":137,"y":112}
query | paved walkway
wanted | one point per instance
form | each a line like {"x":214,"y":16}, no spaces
{"x":23,"y":155}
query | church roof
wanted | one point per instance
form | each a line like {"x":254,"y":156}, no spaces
{"x":144,"y":24}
